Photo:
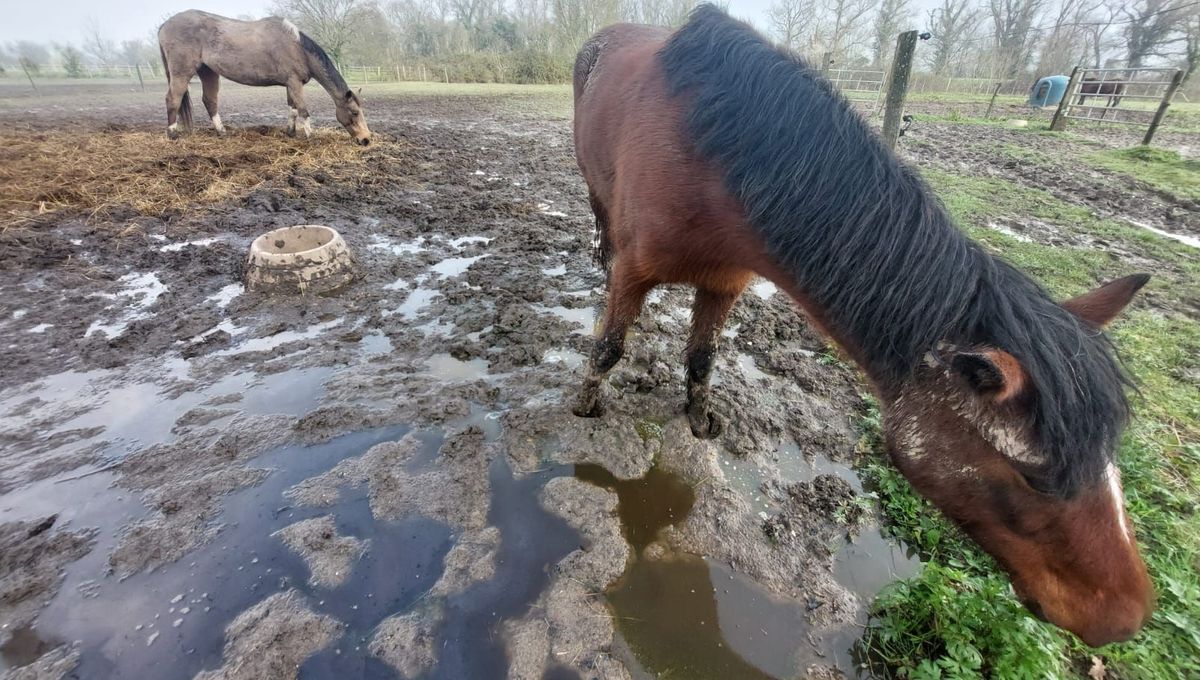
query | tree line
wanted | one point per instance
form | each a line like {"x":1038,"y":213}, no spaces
{"x":535,"y":40}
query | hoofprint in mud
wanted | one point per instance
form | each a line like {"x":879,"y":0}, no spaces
{"x":191,"y":469}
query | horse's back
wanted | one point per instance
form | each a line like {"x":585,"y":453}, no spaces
{"x":260,"y":52}
{"x":669,"y":210}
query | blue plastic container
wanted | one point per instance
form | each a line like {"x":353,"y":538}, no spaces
{"x":1048,"y":91}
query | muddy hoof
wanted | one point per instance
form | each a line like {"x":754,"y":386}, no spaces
{"x":172,"y":134}
{"x":291,"y":132}
{"x":706,"y":425}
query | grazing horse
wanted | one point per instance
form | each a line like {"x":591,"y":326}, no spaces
{"x":1113,"y":89}
{"x":269,"y":51}
{"x":711,"y":156}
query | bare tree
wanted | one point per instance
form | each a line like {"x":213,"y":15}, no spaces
{"x":1097,"y":27}
{"x":332,"y":23}
{"x":96,"y":45}
{"x":576,"y":20}
{"x":844,"y":20}
{"x":1012,"y":33}
{"x":1065,"y":44}
{"x":792,"y":21}
{"x":1191,"y":34}
{"x":892,"y":17}
{"x":1151,"y":27}
{"x":952,"y":25}
{"x":31,"y":55}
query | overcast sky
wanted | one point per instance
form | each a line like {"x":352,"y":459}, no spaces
{"x":64,"y":20}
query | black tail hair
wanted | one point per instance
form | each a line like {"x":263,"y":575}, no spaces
{"x":185,"y":105}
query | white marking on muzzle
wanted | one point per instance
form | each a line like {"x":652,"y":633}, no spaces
{"x":292,"y":27}
{"x":1118,"y":499}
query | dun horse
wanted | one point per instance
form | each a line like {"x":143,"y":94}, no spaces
{"x":270,"y":51}
{"x":712,"y":156}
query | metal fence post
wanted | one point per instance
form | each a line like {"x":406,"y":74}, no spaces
{"x":141,"y":82}
{"x":1059,"y":122}
{"x":898,"y":87}
{"x":826,"y":60}
{"x":1162,"y":107}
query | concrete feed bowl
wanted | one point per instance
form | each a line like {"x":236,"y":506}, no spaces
{"x":307,"y":258}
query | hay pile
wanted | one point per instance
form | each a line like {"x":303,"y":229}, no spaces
{"x":99,"y":170}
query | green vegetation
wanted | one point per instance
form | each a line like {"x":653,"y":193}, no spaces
{"x":958,"y":618}
{"x":1162,"y":169}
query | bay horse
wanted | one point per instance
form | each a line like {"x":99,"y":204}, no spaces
{"x":1113,"y":89}
{"x":269,"y":51}
{"x":711,"y":156}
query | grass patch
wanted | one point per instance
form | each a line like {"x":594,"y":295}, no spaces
{"x":1162,"y":169}
{"x":958,"y":618}
{"x":99,"y":171}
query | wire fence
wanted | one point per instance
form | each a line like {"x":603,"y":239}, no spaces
{"x":858,"y":84}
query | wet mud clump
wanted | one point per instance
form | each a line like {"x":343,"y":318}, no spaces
{"x":32,"y":557}
{"x":272,"y":638}
{"x":329,"y":557}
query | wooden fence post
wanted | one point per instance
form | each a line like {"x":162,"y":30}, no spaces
{"x":1059,"y":122}
{"x":26,"y":70}
{"x":826,"y":60}
{"x":993,"y":101}
{"x":1176,"y":80}
{"x":906,"y":45}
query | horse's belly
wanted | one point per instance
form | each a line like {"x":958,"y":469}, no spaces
{"x":254,"y":70}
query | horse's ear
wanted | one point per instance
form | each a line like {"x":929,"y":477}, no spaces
{"x":1102,"y":305}
{"x":349,"y":95}
{"x":990,"y":372}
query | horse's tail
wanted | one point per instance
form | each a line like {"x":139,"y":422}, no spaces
{"x":185,"y":105}
{"x":602,"y":242}
{"x":585,"y":61}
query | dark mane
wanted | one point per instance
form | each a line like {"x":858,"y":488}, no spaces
{"x":869,"y":242}
{"x":325,"y":62}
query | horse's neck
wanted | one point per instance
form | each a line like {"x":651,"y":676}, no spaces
{"x":329,"y":78}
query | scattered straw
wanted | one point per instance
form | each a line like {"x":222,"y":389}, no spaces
{"x":96,"y":171}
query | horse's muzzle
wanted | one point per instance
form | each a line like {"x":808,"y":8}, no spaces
{"x":365,"y":141}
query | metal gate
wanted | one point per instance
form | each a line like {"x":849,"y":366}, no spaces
{"x":1128,"y":96}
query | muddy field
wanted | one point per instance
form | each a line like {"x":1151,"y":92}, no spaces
{"x":203,"y":482}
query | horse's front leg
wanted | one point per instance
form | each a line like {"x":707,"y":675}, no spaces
{"x":626,"y":292}
{"x":709,"y":312}
{"x":298,"y":116}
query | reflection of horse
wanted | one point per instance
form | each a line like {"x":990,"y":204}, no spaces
{"x":1113,"y":89}
{"x":270,"y":51}
{"x":711,"y":156}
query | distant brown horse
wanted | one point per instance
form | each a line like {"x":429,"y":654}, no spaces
{"x":270,"y":51}
{"x":711,"y":156}
{"x":1113,"y":89}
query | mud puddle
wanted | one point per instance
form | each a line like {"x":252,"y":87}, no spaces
{"x":171,"y":623}
{"x":532,"y":541}
{"x":684,"y":615}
